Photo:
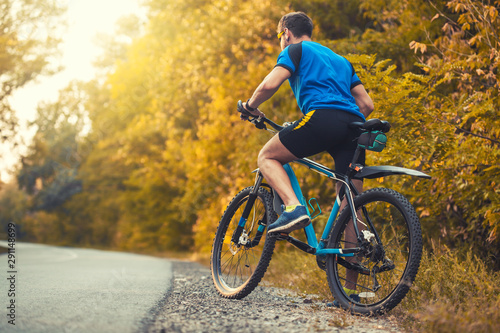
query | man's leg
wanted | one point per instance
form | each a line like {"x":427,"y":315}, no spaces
{"x":350,"y":238}
{"x":271,"y":159}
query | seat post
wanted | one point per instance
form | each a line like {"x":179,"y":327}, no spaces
{"x":352,"y":166}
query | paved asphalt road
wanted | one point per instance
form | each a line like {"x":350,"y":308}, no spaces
{"x":81,"y":290}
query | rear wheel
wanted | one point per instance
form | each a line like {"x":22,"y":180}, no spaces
{"x":376,"y":279}
{"x":237,"y":268}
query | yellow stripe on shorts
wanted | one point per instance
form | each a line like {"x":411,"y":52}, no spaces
{"x":305,"y":120}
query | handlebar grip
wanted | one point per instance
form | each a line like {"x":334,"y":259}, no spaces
{"x":242,"y":110}
{"x":259,"y":122}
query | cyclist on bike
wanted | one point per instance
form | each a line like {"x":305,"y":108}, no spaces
{"x":329,"y":94}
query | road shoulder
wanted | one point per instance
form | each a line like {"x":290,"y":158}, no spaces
{"x":193,"y":305}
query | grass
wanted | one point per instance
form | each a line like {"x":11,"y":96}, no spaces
{"x":452,"y":292}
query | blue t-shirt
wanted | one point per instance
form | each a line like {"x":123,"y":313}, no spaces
{"x":321,"y":79}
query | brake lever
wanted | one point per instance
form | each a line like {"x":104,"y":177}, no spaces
{"x":259,"y":123}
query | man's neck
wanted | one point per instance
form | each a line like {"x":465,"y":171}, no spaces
{"x":296,"y":40}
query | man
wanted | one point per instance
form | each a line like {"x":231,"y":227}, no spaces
{"x":329,"y":94}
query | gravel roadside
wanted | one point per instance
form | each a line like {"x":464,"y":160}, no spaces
{"x":193,"y":305}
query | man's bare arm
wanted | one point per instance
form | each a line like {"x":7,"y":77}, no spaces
{"x":363,"y":100}
{"x":269,"y":86}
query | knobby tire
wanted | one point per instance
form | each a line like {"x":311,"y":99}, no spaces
{"x":398,"y":227}
{"x":237,"y":270}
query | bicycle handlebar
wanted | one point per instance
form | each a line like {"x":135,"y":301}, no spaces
{"x":260,"y":122}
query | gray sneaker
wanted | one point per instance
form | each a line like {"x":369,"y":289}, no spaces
{"x":290,"y":221}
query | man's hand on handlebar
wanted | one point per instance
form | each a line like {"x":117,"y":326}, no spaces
{"x":256,"y":117}
{"x":255,"y":113}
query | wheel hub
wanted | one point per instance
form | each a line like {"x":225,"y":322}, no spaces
{"x":235,"y":248}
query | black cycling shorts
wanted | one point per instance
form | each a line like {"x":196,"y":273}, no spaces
{"x":324,"y":130}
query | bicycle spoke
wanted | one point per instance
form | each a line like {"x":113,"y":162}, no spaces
{"x":388,"y":261}
{"x":234,"y":265}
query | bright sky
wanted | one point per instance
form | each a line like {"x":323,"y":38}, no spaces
{"x":86,"y":18}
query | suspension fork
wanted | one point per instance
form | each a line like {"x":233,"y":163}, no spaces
{"x":248,"y":208}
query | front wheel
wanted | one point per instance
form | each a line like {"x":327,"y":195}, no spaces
{"x":379,"y":276}
{"x":239,"y":262}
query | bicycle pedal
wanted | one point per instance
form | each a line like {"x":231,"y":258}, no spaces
{"x":279,"y":236}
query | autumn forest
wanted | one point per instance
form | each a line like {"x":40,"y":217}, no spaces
{"x":147,"y":156}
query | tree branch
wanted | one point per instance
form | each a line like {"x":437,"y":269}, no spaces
{"x":469,"y":132}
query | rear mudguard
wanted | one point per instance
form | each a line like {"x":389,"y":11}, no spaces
{"x":387,"y":170}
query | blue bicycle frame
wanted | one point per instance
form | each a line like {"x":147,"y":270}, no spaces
{"x":314,"y":246}
{"x":312,"y":241}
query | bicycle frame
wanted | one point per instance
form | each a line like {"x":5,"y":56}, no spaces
{"x":315,"y":246}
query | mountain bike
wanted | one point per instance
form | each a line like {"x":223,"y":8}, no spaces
{"x":373,"y":247}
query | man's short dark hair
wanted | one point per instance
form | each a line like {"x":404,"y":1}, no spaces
{"x":298,"y":23}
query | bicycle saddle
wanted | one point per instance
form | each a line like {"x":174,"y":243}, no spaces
{"x":372,"y":125}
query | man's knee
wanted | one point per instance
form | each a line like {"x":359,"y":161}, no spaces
{"x":263,"y":156}
{"x":274,"y":151}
